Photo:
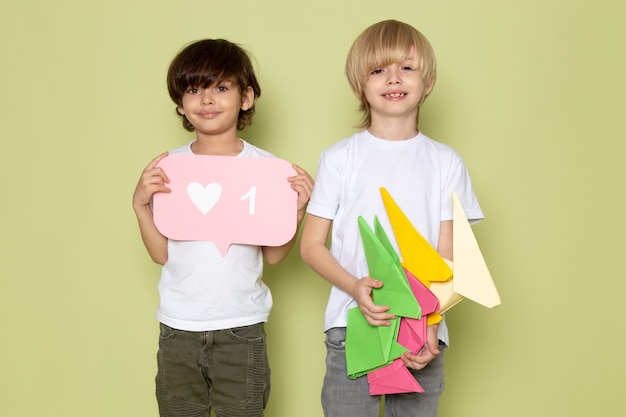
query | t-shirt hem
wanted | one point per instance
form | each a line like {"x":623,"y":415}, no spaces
{"x":206,"y":326}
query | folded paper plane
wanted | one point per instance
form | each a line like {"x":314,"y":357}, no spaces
{"x":370,"y":347}
{"x":418,"y":288}
{"x":393,"y":379}
{"x":412,"y":334}
{"x":472,"y":279}
{"x":427,"y":300}
{"x":418,"y":254}
{"x":383,"y":266}
{"x":367,"y":347}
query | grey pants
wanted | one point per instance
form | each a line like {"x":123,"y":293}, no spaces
{"x":345,"y":397}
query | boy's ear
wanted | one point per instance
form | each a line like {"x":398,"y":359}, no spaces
{"x":429,"y":88}
{"x":180,"y":111}
{"x":247,"y":99}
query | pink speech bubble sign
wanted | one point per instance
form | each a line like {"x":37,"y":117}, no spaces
{"x":227,"y":200}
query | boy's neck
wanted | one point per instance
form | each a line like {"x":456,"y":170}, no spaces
{"x":393,"y":129}
{"x":218,"y":146}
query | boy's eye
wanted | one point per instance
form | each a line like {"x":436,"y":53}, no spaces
{"x":222,"y":88}
{"x":192,"y":90}
{"x":407,"y":68}
{"x":376,"y":71}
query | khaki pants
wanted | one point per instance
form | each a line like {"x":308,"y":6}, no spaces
{"x":225,"y":370}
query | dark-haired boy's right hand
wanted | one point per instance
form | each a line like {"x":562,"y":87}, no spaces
{"x":152,"y":180}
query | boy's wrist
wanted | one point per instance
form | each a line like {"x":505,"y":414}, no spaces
{"x":138,"y":207}
{"x":301,"y":214}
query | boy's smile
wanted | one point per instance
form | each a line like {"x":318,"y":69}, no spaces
{"x":395,"y":95}
{"x":208,"y":114}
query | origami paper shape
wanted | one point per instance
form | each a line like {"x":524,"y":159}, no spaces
{"x":420,"y":260}
{"x":367,"y":348}
{"x":382,"y":265}
{"x":373,"y":351}
{"x":393,"y":379}
{"x":384,"y":240}
{"x":412,"y":333}
{"x":370,"y":347}
{"x":418,"y":255}
{"x":444,"y":291}
{"x":426,"y":299}
{"x":472,"y":279}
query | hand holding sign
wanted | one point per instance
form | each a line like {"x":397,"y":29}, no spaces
{"x":227,"y":200}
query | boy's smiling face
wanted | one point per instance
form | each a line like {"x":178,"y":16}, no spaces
{"x":396,"y":90}
{"x":214,"y":110}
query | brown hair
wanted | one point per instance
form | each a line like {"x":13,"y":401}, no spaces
{"x":206,"y":62}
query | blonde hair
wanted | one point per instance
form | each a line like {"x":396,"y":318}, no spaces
{"x":382,"y":44}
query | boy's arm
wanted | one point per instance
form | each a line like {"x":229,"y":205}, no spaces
{"x":152,"y":180}
{"x":431,"y":348}
{"x":315,"y":253}
{"x":302,"y":183}
{"x":445,"y":240}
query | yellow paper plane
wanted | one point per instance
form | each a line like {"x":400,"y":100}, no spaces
{"x":418,"y":255}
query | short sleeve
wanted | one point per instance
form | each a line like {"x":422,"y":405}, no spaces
{"x":325,"y":198}
{"x":456,"y":178}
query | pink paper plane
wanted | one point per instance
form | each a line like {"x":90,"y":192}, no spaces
{"x":426,"y":299}
{"x":394,"y":378}
{"x":412,"y":333}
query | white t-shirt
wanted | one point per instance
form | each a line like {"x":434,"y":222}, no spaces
{"x":201,"y":291}
{"x":420,"y":175}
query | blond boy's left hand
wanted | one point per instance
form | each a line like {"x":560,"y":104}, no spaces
{"x":302,"y":183}
{"x":429,"y":352}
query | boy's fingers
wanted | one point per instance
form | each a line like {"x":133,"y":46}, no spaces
{"x":298,"y":169}
{"x":156,"y":160}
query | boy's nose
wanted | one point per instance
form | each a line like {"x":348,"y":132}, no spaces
{"x":207,"y":97}
{"x":393,"y":77}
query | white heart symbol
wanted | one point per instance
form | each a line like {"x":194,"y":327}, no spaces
{"x":204,"y":197}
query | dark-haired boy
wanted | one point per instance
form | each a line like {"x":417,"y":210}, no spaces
{"x":212,"y":353}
